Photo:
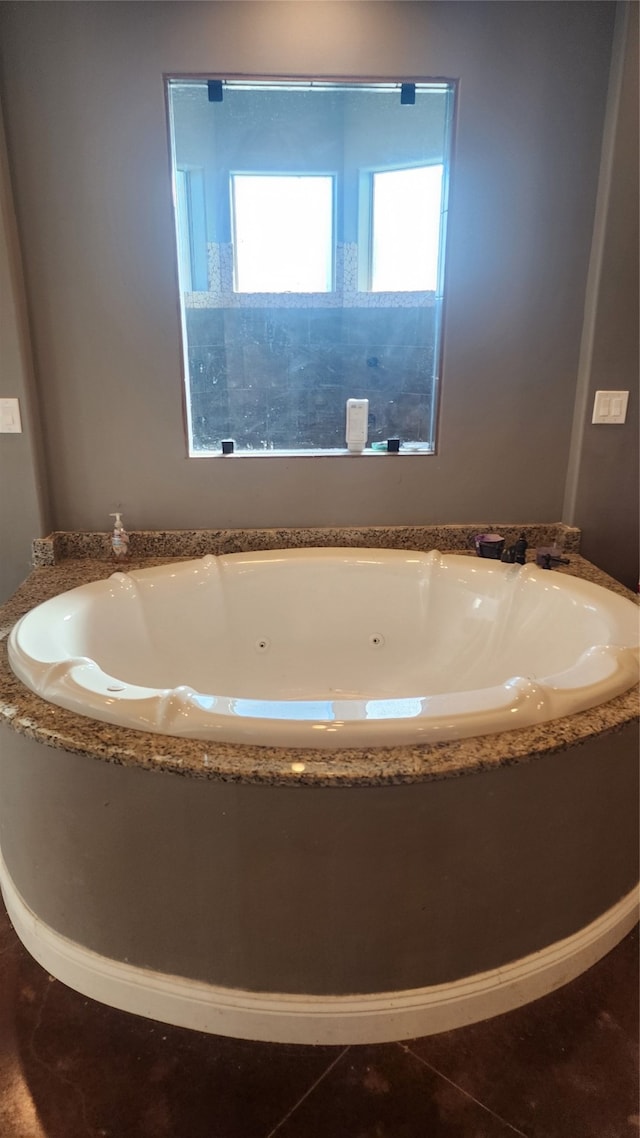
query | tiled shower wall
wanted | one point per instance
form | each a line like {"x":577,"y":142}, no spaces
{"x":279,"y":378}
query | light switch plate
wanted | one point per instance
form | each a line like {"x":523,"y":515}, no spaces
{"x":610,"y":407}
{"x":10,"y":422}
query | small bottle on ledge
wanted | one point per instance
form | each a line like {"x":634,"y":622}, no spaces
{"x":119,"y":538}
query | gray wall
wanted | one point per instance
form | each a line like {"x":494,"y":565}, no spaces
{"x":83,"y":91}
{"x":607,"y":479}
{"x":22,"y":516}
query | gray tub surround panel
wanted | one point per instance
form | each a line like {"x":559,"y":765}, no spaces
{"x":196,"y":543}
{"x":315,"y":890}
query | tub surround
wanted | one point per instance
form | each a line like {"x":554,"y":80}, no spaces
{"x":66,"y":560}
{"x":347,"y":896}
{"x":315,"y":913}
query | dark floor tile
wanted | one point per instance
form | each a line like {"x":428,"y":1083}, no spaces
{"x":73,"y":1068}
{"x":18,"y":1115}
{"x":8,"y":939}
{"x":383,"y":1092}
{"x":562,"y":1067}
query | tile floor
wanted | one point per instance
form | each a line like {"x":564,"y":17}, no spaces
{"x":564,"y":1067}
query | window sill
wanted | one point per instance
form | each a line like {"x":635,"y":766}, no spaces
{"x":407,"y":449}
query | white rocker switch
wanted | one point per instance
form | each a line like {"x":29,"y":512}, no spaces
{"x":610,"y":407}
{"x":10,"y":422}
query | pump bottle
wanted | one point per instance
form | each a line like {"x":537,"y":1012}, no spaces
{"x":119,"y":538}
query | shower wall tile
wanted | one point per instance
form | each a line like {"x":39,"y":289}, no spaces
{"x":205,"y":326}
{"x":381,"y":326}
{"x":280,"y":378}
{"x":426,"y":324}
{"x":326,"y":325}
{"x":207,"y":369}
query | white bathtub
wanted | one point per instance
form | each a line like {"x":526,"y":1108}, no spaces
{"x":330,"y":647}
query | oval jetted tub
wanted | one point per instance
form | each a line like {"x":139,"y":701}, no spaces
{"x":330,"y":647}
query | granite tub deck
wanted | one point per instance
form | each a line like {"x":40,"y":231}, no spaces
{"x":66,"y":560}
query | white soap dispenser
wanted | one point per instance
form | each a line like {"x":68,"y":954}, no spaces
{"x":119,"y":538}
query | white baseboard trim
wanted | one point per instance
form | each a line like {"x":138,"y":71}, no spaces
{"x":378,"y":1017}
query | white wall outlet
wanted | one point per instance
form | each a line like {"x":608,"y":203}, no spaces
{"x":610,"y":407}
{"x":10,"y":422}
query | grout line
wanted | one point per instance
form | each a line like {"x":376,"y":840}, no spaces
{"x":307,"y":1093}
{"x":404,"y":1047}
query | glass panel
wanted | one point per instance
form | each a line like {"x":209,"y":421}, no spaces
{"x":183,"y":227}
{"x":310,"y":259}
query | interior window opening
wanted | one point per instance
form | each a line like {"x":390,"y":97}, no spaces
{"x":310,"y":243}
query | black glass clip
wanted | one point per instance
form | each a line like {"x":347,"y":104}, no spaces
{"x":408,"y":93}
{"x":214,"y":90}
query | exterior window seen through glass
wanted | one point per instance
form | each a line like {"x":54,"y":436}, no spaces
{"x":405,"y":229}
{"x":282,"y":232}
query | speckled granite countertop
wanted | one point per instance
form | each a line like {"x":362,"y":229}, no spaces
{"x":67,"y":560}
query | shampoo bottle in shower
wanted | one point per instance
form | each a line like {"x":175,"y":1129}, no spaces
{"x":357,"y":428}
{"x":119,"y":538}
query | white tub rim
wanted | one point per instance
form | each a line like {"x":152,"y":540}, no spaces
{"x":384,"y":740}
